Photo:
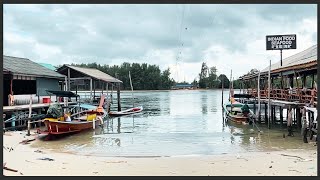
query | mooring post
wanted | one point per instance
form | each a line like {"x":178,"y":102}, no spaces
{"x":298,"y":112}
{"x":94,"y":90}
{"x":259,"y":97}
{"x":295,"y":116}
{"x":272,"y":114}
{"x":29,"y":117}
{"x":259,"y":113}
{"x":118,"y":97}
{"x":91,"y":99}
{"x":289,"y":121}
{"x":281,"y":116}
{"x":269,"y":89}
{"x":275,"y":114}
{"x":222,"y":94}
{"x":119,"y":125}
{"x":94,"y":123}
{"x":265,"y":113}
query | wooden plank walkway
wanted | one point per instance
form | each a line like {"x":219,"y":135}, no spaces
{"x":275,"y":102}
{"x":26,"y":106}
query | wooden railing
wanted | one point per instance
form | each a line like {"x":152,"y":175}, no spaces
{"x":291,"y":95}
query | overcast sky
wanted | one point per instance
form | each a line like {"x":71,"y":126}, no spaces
{"x":177,"y":36}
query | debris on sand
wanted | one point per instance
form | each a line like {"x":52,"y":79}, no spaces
{"x":27,"y":141}
{"x":38,"y":151}
{"x":116,"y":162}
{"x":46,"y":159}
{"x":9,"y":169}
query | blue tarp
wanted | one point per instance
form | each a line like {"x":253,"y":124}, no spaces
{"x":86,"y":106}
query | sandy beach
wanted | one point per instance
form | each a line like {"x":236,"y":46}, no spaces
{"x":27,"y":161}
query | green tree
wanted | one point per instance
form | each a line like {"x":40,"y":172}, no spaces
{"x":144,"y":76}
{"x":223,"y":78}
{"x":203,"y":76}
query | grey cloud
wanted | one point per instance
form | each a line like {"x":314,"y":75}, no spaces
{"x":131,"y":31}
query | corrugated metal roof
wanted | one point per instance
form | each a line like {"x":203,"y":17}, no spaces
{"x":23,"y":66}
{"x":303,"y":57}
{"x":49,"y":66}
{"x":308,"y":57}
{"x":95,"y":73}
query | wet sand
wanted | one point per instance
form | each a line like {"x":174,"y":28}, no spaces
{"x":26,"y":160}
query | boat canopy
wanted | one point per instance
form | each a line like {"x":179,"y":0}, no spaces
{"x":242,"y":96}
{"x":85,"y":106}
{"x":63,"y":93}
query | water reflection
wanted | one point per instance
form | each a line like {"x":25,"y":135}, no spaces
{"x":174,"y":123}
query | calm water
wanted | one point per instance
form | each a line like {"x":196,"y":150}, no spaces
{"x":174,"y":123}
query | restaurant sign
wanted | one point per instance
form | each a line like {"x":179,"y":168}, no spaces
{"x":281,"y":42}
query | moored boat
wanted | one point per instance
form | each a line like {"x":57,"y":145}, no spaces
{"x":237,"y":112}
{"x":57,"y":123}
{"x":126,"y":112}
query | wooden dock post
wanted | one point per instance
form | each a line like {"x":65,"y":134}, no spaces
{"x":265,"y":113}
{"x":29,"y":117}
{"x":222,"y":94}
{"x":119,"y":125}
{"x":259,"y":103}
{"x":269,"y":89}
{"x":294,"y":116}
{"x":94,"y":90}
{"x":281,"y":116}
{"x":298,"y":114}
{"x":272,"y":114}
{"x":69,"y":79}
{"x":91,"y":99}
{"x":118,"y":97}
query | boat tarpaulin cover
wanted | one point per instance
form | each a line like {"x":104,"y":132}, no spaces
{"x":86,"y":106}
{"x":55,"y":110}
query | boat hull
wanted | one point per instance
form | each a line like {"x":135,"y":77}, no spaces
{"x":64,"y":128}
{"x":126,"y":112}
{"x":238,"y":118}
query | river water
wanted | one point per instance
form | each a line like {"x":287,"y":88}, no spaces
{"x":174,"y":123}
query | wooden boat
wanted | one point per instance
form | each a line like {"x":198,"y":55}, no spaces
{"x":234,"y":112}
{"x":126,"y":112}
{"x":84,"y":120}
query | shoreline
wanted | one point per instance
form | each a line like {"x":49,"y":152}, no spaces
{"x":25,"y":159}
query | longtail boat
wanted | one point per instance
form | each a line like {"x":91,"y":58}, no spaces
{"x":234,"y":112}
{"x":126,"y":112}
{"x":56,"y":123}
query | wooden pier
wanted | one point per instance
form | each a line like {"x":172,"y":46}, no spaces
{"x":290,"y":86}
{"x":7,"y":109}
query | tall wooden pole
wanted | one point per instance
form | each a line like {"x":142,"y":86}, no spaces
{"x":269,"y":89}
{"x":259,"y":97}
{"x":118,"y":97}
{"x":68,"y":80}
{"x":91,"y":90}
{"x":29,"y":117}
{"x":131,"y":89}
{"x":222,"y":92}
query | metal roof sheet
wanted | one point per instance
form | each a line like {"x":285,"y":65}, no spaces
{"x":24,"y":66}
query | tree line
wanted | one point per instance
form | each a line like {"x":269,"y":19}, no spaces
{"x":144,"y":76}
{"x":149,"y":77}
